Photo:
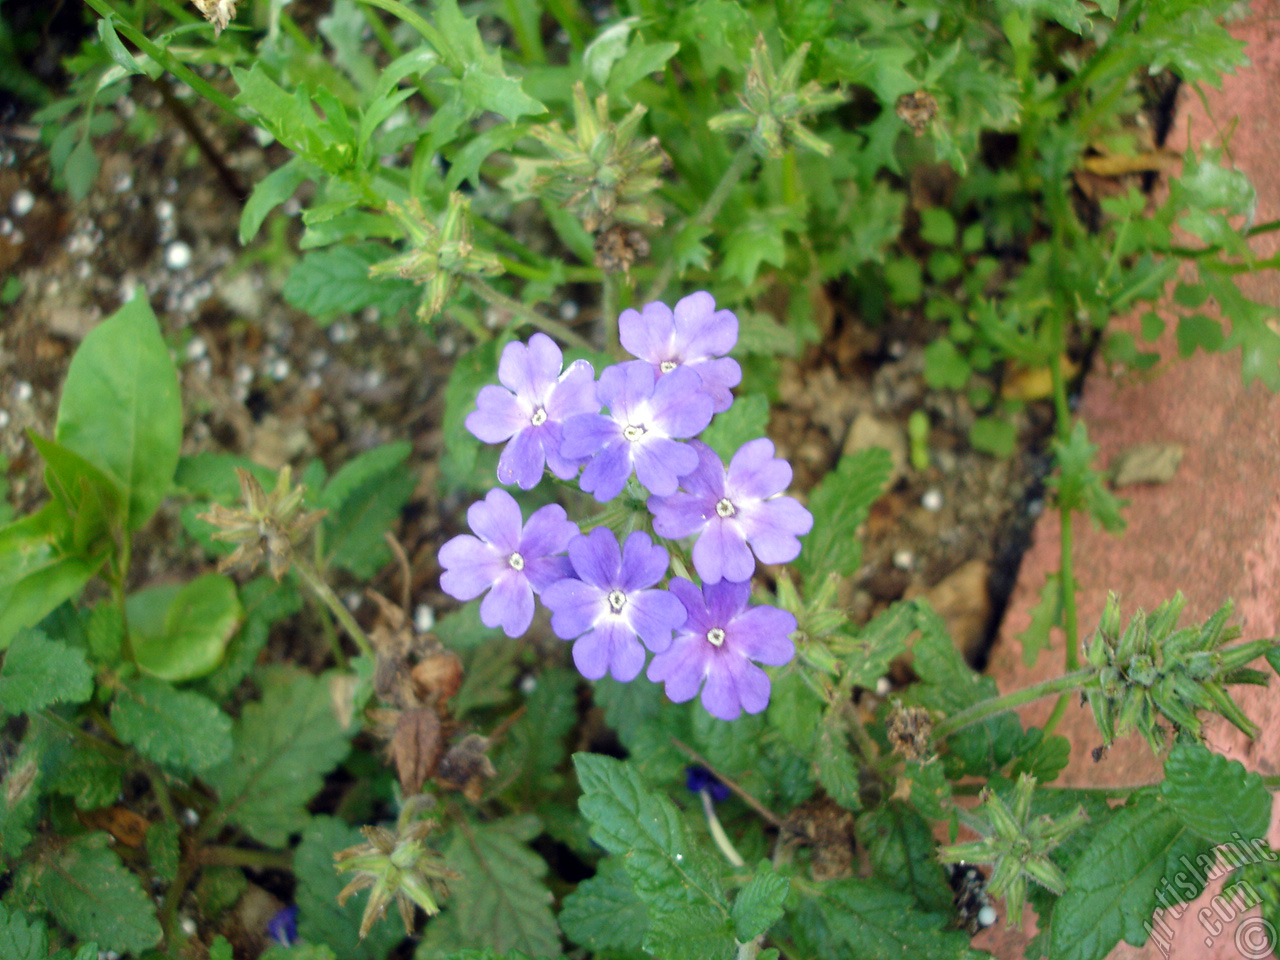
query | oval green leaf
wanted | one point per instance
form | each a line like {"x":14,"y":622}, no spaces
{"x":181,"y":632}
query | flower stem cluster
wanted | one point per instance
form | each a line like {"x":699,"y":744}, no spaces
{"x":1153,"y":670}
{"x":1017,"y":845}
{"x":638,"y":420}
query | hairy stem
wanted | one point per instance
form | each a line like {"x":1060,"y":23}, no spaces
{"x":526,"y":314}
{"x":1010,"y":701}
{"x":316,"y":584}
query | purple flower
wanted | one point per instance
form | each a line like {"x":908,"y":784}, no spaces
{"x":734,"y":513}
{"x":699,"y":778}
{"x":283,"y":927}
{"x":517,"y":560}
{"x":715,"y":648}
{"x":608,"y":605}
{"x":645,"y":414}
{"x":695,"y":335}
{"x":532,"y":411}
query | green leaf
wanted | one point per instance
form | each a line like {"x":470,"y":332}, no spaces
{"x":320,"y":918}
{"x":81,"y":169}
{"x":87,"y":777}
{"x":746,"y":420}
{"x":840,"y":504}
{"x":760,"y":239}
{"x":994,"y":435}
{"x":483,"y":83}
{"x":836,"y":768}
{"x":1112,"y":888}
{"x":1199,"y":332}
{"x":20,"y":940}
{"x":758,"y":905}
{"x":471,"y":371}
{"x":670,"y":873}
{"x":271,"y":191}
{"x":945,"y":367}
{"x":121,"y":409}
{"x":180,"y":631}
{"x":94,"y":502}
{"x":21,"y":790}
{"x":604,"y":913}
{"x":904,"y":853}
{"x":265,"y":602}
{"x":283,"y":747}
{"x":1069,"y":13}
{"x":538,"y":741}
{"x":500,"y":899}
{"x":38,"y":671}
{"x":90,"y":893}
{"x":327,"y":283}
{"x":179,"y":729}
{"x":937,"y":227}
{"x":857,"y":918}
{"x":1079,"y":486}
{"x":163,"y":851}
{"x":1045,"y":615}
{"x":1213,"y":796}
{"x":364,"y":498}
{"x":36,"y":573}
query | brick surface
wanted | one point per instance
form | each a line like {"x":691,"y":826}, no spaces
{"x":1213,"y":532}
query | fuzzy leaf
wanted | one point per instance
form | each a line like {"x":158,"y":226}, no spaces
{"x":282,"y":748}
{"x":500,"y":899}
{"x":179,"y":729}
{"x":20,"y":940}
{"x":320,"y":919}
{"x":855,"y":918}
{"x":758,"y":905}
{"x":364,"y":499}
{"x":1044,"y":617}
{"x":904,"y":854}
{"x":839,"y":504}
{"x":121,"y":409}
{"x":327,"y":283}
{"x":604,"y":913}
{"x":38,"y":671}
{"x":91,"y":894}
{"x":1214,"y":796}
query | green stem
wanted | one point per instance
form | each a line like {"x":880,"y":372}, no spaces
{"x":609,"y":315}
{"x":525,"y":313}
{"x":1011,"y":701}
{"x":239,"y":857}
{"x":722,"y":841}
{"x":325,"y":593}
{"x":426,"y":29}
{"x":732,"y":174}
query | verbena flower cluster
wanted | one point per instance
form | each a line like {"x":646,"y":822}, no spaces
{"x":640,"y":418}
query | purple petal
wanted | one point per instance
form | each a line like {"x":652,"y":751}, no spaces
{"x":725,"y":600}
{"x":606,"y":475}
{"x":718,"y":377}
{"x":509,"y":604}
{"x":588,"y":433}
{"x":496,"y":519}
{"x":755,"y":472}
{"x":544,"y":571}
{"x":591,"y":655}
{"x":733,"y":685}
{"x":574,"y":393}
{"x":644,"y":563}
{"x":530,"y":370}
{"x":552,"y":439}
{"x":611,"y":647}
{"x":655,"y":615}
{"x":575,"y":607}
{"x":764,"y":634}
{"x":498,"y":415}
{"x":470,"y":567}
{"x":721,"y":553}
{"x":548,"y":531}
{"x":773,"y":526}
{"x":647,"y":333}
{"x":679,"y":515}
{"x":596,"y":558}
{"x":682,"y":667}
{"x":660,"y":463}
{"x":679,"y":408}
{"x":703,"y":331}
{"x":522,"y":460}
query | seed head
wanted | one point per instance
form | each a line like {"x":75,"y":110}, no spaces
{"x":269,"y":526}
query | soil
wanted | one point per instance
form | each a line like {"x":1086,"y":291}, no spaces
{"x":261,"y":379}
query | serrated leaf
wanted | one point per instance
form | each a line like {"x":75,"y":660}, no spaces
{"x":758,"y":905}
{"x":1045,"y":615}
{"x":20,"y":939}
{"x":670,"y":873}
{"x":1070,"y":13}
{"x":87,"y":777}
{"x":91,"y":894}
{"x":483,"y":83}
{"x":38,"y":672}
{"x":855,"y":918}
{"x":1213,"y":796}
{"x":271,"y":191}
{"x":538,"y":741}
{"x":745,"y":420}
{"x":180,"y":631}
{"x":121,"y":409}
{"x":179,"y":729}
{"x":364,"y":498}
{"x":333,"y":281}
{"x":21,"y":789}
{"x":1112,"y":887}
{"x":760,"y":239}
{"x":904,"y":853}
{"x":500,"y":899}
{"x":264,"y":603}
{"x":840,"y":504}
{"x":1079,"y":486}
{"x":836,"y":768}
{"x":604,"y":913}
{"x":471,"y":371}
{"x":282,"y":748}
{"x":320,"y":919}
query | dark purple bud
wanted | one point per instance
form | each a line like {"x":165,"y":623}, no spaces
{"x":699,"y":778}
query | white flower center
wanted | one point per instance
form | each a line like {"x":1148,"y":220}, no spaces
{"x":617,"y":600}
{"x":539,"y":417}
{"x":515,"y":562}
{"x":715,"y":636}
{"x":666,"y":366}
{"x":632,"y":432}
{"x":725,"y":509}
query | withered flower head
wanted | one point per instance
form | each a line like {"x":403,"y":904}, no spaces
{"x":270,"y":526}
{"x":910,"y":730}
{"x":395,"y":866}
{"x":917,"y":110}
{"x":466,"y":767}
{"x":601,"y":171}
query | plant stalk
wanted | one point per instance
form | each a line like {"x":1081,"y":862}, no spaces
{"x":1010,"y":701}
